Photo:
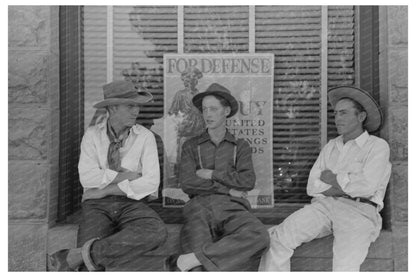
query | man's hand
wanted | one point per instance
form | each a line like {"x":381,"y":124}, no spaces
{"x":237,"y":193}
{"x":132,"y":175}
{"x":101,"y":193}
{"x":93,"y":194}
{"x":327,"y":176}
{"x":204,"y":173}
{"x":126,"y":174}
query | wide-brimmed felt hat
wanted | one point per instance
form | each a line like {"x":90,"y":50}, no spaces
{"x":218,"y":90}
{"x":373,"y":110}
{"x":122,"y":92}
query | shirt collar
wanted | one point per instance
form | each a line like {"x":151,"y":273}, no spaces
{"x":360,"y":140}
{"x":205,"y":137}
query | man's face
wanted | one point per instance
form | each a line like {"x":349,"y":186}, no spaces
{"x":125,"y":114}
{"x":214,"y":112}
{"x":347,"y":119}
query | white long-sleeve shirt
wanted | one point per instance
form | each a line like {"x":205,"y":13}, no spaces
{"x":362,"y":166}
{"x":139,"y":154}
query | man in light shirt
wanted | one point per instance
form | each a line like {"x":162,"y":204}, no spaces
{"x":347,"y":182}
{"x":119,"y":170}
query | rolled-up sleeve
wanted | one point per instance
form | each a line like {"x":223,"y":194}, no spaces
{"x":148,"y":183}
{"x":375,"y":171}
{"x":91,"y":174}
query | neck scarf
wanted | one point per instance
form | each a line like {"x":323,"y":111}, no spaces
{"x":113,"y":154}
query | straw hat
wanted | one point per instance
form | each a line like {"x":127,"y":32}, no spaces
{"x":374,"y":114}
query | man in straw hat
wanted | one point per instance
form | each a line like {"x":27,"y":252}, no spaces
{"x":216,"y":171}
{"x":347,"y":182}
{"x":118,"y":169}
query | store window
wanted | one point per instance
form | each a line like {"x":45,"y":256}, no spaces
{"x":315,"y":48}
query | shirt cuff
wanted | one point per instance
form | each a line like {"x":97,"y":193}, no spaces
{"x":108,"y":177}
{"x":343,"y":180}
{"x":124,"y":187}
{"x":320,"y":186}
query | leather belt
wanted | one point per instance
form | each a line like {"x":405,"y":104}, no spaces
{"x":360,"y":199}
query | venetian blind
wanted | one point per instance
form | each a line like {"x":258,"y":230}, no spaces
{"x":139,"y":37}
{"x":95,"y":57}
{"x":293,"y":34}
{"x":341,"y":54}
{"x":213,"y":29}
{"x":142,"y":34}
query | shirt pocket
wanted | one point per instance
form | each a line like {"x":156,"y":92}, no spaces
{"x":355,"y":167}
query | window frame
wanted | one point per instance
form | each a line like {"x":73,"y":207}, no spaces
{"x":170,"y":215}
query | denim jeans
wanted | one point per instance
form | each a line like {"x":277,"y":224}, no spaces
{"x":127,"y":229}
{"x":223,"y":234}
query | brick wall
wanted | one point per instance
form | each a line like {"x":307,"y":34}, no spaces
{"x":33,"y":132}
{"x":394,"y":91}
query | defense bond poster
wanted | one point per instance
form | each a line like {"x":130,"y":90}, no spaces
{"x":249,"y":77}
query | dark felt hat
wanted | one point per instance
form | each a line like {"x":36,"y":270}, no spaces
{"x":374,"y":113}
{"x":122,"y":92}
{"x":218,"y":90}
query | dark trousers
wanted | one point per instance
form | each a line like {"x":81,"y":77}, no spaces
{"x":127,"y":230}
{"x":223,"y":234}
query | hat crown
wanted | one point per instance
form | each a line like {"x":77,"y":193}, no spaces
{"x":215,"y":87}
{"x":218,"y":90}
{"x":119,"y":89}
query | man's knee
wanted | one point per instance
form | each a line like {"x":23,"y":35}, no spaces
{"x":257,"y":233}
{"x":158,"y":232}
{"x":264,"y":238}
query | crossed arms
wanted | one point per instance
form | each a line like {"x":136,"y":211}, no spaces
{"x":235,"y":181}
{"x":99,"y":181}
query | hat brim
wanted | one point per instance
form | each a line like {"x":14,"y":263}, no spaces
{"x":373,"y":110}
{"x":197,"y":100}
{"x":140,"y":99}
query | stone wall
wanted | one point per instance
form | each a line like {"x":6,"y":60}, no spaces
{"x":394,"y":97}
{"x":33,"y":132}
{"x":34,"y":129}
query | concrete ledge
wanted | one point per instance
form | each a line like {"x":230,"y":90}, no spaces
{"x":313,"y":256}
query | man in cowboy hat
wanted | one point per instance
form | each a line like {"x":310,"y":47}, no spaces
{"x":347,"y":182}
{"x":216,"y":171}
{"x":118,"y":169}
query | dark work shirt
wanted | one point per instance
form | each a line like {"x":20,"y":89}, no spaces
{"x":226,"y":175}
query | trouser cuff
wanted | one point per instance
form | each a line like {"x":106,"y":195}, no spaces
{"x":86,"y":255}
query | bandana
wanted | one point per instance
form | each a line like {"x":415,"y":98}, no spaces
{"x":113,"y":155}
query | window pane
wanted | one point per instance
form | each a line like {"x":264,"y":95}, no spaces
{"x":341,"y":44}
{"x":211,"y":29}
{"x":293,"y":34}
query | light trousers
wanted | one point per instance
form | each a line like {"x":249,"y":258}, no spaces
{"x":354,"y":226}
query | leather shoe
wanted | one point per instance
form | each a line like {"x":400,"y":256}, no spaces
{"x":57,"y":261}
{"x":197,"y":268}
{"x":171,"y":263}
